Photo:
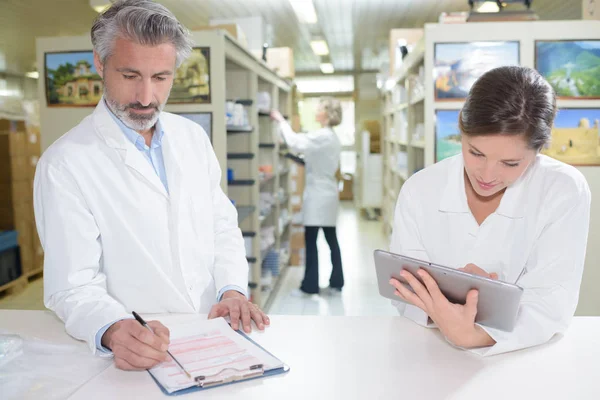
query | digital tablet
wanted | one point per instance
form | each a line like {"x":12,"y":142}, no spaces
{"x":498,"y":301}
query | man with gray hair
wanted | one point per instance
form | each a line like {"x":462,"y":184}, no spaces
{"x":129,"y":206}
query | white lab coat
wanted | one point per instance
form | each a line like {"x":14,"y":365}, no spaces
{"x":321,"y":150}
{"x":540,"y":229}
{"x":115,"y":241}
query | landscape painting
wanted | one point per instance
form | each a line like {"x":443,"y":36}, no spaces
{"x":456,"y":66}
{"x":571,"y":66}
{"x":72,"y":79}
{"x":447,"y":134}
{"x":191,"y":83}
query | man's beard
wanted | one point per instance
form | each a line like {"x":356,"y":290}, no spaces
{"x":137,"y":122}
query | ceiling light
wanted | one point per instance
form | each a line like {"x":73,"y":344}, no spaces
{"x":33,"y":74}
{"x":305,"y":11}
{"x":488,"y":7}
{"x":319,"y":47}
{"x":100,"y":5}
{"x":327,"y":68}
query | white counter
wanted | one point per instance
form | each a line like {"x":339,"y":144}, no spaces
{"x":357,"y":358}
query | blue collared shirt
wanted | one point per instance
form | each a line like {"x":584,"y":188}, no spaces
{"x":154,"y":155}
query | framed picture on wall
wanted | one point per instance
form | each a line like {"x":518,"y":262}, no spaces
{"x":447,"y":134}
{"x":572,"y":67}
{"x":191,"y":83}
{"x":204,"y":119}
{"x":456,"y":66}
{"x":575,"y":136}
{"x":71,"y":79}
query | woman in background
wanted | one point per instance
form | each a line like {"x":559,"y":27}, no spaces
{"x":321,"y":150}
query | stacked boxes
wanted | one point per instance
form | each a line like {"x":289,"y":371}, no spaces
{"x":19,"y":152}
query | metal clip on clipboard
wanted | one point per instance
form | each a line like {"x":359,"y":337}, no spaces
{"x":253,"y":371}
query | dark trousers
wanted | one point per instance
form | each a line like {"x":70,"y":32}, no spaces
{"x":310,"y":284}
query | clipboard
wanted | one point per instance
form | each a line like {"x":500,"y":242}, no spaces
{"x":242,"y":376}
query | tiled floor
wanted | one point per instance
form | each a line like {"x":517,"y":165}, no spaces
{"x":357,"y":237}
{"x":32,"y":298}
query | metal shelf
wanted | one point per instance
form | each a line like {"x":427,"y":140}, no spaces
{"x":263,"y":218}
{"x":241,"y":182}
{"x":267,"y":179}
{"x":233,"y":129}
{"x":240,"y":156}
{"x":244,"y":212}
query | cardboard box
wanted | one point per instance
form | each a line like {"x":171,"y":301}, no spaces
{"x":32,"y":161}
{"x":13,"y":169}
{"x":12,"y":144}
{"x":298,"y":257}
{"x":33,"y":142}
{"x":15,"y":193}
{"x":12,"y":126}
{"x":233,"y":29}
{"x":25,"y":240}
{"x":411,"y":36}
{"x":347,"y":192}
{"x":11,"y":216}
{"x":38,"y":251}
{"x":280,"y":60}
{"x":297,"y":240}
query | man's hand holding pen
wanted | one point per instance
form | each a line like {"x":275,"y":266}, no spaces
{"x":134,"y":346}
{"x":237,"y":306}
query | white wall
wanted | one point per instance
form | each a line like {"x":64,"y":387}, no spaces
{"x":526,"y":33}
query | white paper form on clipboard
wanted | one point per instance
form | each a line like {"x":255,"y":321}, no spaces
{"x":214,"y":354}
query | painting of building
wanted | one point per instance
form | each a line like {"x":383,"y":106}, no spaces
{"x":191,"y":83}
{"x":72,"y":80}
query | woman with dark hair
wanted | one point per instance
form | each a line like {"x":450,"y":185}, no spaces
{"x":500,"y":210}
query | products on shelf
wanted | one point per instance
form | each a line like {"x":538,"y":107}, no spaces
{"x":271,"y":263}
{"x":265,"y":172}
{"x":236,"y":114}
{"x":265,"y":203}
{"x":399,"y":95}
{"x":416,"y":86}
{"x":419,"y":133}
{"x":263,"y":101}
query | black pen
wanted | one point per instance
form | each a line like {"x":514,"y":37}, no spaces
{"x":145,"y":325}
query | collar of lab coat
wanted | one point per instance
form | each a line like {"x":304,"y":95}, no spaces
{"x":111,"y":133}
{"x":454,"y":197}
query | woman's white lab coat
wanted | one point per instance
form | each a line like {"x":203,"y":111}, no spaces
{"x":540,"y":229}
{"x":116,"y":241}
{"x":321,"y":150}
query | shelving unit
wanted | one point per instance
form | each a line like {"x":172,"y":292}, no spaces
{"x":236,"y":75}
{"x":403,"y":119}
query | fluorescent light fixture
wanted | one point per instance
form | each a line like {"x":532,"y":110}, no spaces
{"x":327,"y":68}
{"x":488,"y":7}
{"x":100,"y":5}
{"x":319,"y":47}
{"x":33,"y":74}
{"x":305,"y":11}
